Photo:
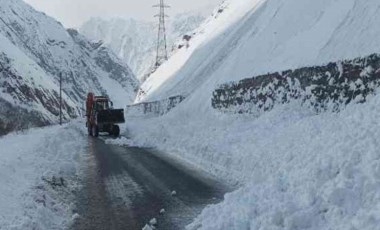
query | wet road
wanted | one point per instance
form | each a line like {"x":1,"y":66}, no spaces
{"x":124,"y":188}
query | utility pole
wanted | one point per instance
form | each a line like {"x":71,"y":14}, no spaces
{"x":162,"y":53}
{"x":60,"y":98}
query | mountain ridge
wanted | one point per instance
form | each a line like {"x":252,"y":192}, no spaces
{"x":134,"y":41}
{"x":35,"y":50}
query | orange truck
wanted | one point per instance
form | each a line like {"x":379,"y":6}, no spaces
{"x":102,"y":117}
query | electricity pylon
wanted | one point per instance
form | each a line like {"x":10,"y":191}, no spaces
{"x":162,"y":53}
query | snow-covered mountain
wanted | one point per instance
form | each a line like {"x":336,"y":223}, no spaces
{"x":134,"y":41}
{"x":299,"y":169}
{"x":34,"y":50}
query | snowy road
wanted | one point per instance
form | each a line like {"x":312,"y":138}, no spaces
{"x":125,"y":188}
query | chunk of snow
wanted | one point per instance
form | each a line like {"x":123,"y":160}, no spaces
{"x":121,"y":141}
{"x":148,"y":227}
{"x":153,"y":221}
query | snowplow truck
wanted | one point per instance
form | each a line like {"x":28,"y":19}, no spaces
{"x":101,"y":117}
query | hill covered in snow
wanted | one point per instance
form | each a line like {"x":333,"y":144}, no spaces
{"x":134,"y":41}
{"x":34,"y":50}
{"x":245,"y":38}
{"x":298,"y":169}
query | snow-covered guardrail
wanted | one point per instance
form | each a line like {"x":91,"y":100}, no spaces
{"x":154,"y":108}
{"x":327,"y":87}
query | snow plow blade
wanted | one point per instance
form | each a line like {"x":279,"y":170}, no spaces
{"x":115,"y":116}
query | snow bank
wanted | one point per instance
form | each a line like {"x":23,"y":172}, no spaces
{"x":307,"y":172}
{"x":38,"y":170}
{"x":299,"y":170}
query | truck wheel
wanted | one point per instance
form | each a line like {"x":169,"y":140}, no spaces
{"x":95,"y":131}
{"x":116,"y":130}
{"x":89,"y":130}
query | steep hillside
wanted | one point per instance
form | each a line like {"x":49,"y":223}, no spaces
{"x":134,"y":41}
{"x":253,"y":37}
{"x":298,"y":168}
{"x":34,"y":50}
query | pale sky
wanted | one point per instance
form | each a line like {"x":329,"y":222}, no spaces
{"x":72,"y":13}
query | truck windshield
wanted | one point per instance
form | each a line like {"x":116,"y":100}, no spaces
{"x":102,"y":105}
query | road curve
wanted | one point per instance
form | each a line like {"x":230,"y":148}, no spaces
{"x":124,"y":188}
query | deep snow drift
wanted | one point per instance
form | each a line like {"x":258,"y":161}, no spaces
{"x":298,"y":169}
{"x":32,"y":193}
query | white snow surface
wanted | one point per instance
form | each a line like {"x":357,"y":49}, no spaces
{"x":296,"y":169}
{"x":26,"y":159}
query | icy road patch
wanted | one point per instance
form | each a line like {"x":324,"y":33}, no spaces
{"x":38,"y":171}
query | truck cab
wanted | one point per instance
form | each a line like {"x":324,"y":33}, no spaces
{"x":102,"y":103}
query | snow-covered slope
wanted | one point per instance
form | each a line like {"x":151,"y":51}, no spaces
{"x":34,"y":50}
{"x":134,"y":41}
{"x":245,"y":38}
{"x":298,"y":169}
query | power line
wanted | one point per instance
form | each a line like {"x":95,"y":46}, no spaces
{"x":162,"y":53}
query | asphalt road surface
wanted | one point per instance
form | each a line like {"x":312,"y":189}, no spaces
{"x":124,"y":188}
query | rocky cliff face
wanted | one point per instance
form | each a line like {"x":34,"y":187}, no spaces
{"x":154,"y":108}
{"x":34,"y":51}
{"x":328,"y":87}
